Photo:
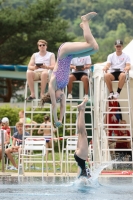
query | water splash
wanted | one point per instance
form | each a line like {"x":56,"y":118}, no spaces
{"x":99,"y":168}
{"x":92,"y":182}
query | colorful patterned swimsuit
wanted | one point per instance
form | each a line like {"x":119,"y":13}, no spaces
{"x":62,"y":73}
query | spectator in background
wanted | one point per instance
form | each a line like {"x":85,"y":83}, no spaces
{"x":123,"y":143}
{"x":119,"y":64}
{"x":39,"y":68}
{"x":28,"y":121}
{"x":80,"y":72}
{"x":45,"y":128}
{"x":6,"y":139}
{"x":120,"y":143}
{"x":17,"y":141}
{"x":5,"y":126}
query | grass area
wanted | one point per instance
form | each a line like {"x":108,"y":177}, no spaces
{"x":37,"y":167}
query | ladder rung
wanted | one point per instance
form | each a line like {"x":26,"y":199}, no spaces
{"x":115,"y":100}
{"x":71,"y":124}
{"x":33,"y":112}
{"x":76,"y":112}
{"x":115,"y":137}
{"x":118,"y":107}
{"x":117,"y":149}
{"x":71,"y":100}
{"x":115,"y":125}
{"x":120,"y":162}
{"x":85,"y":107}
{"x":117,"y":112}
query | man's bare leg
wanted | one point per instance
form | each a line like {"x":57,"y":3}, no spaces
{"x":30,"y":80}
{"x":122,"y":78}
{"x":108,"y":80}
{"x":70,"y":83}
{"x":10,"y":157}
{"x":85,"y":80}
{"x":44,"y":81}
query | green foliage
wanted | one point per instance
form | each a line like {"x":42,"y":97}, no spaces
{"x":114,"y":17}
{"x":11,"y":113}
{"x":25,"y":21}
{"x":24,"y":25}
{"x":114,"y":20}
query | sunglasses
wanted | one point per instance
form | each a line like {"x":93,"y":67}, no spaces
{"x":118,"y":46}
{"x":42,"y":45}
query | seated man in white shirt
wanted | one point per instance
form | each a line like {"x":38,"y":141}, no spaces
{"x":16,"y":144}
{"x":119,"y":64}
{"x":79,"y":66}
{"x":40,"y":66}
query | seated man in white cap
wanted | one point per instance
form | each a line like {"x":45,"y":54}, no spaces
{"x":119,"y":64}
{"x":5,"y":125}
{"x":6,"y":139}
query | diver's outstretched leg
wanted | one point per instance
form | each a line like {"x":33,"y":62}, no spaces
{"x":80,"y":48}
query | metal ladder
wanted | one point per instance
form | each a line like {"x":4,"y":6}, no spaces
{"x":35,"y":104}
{"x":105,"y":110}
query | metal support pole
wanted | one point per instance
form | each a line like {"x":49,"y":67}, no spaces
{"x":3,"y":149}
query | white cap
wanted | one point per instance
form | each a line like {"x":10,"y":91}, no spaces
{"x":5,"y":120}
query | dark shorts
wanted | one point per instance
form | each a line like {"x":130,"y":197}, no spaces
{"x":78,"y":75}
{"x":116,"y":75}
{"x":47,"y":140}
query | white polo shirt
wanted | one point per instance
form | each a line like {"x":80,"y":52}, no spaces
{"x":118,"y":62}
{"x":81,"y":61}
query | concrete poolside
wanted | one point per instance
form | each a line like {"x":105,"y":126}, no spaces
{"x":37,"y":174}
{"x":104,"y":173}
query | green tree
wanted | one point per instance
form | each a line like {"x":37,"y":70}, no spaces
{"x":11,"y":113}
{"x":114,"y":17}
{"x":22,"y":26}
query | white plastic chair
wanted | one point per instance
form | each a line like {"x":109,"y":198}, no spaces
{"x":32,"y":143}
{"x":71,"y":146}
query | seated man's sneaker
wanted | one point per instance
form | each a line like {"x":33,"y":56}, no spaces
{"x":116,"y":95}
{"x":69,"y":96}
{"x":111,"y":95}
{"x":12,"y":168}
{"x":86,"y":96}
{"x":30,"y":98}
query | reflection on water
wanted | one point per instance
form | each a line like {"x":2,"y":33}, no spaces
{"x":66,"y":188}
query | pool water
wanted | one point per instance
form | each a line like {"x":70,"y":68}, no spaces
{"x":66,"y":188}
